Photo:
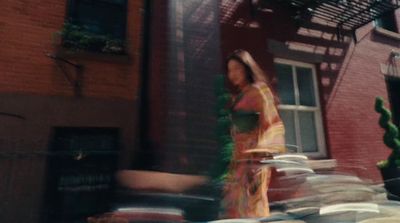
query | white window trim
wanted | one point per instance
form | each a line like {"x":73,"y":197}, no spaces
{"x":317,"y":109}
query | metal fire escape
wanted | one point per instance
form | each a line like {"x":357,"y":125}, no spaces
{"x":346,"y":15}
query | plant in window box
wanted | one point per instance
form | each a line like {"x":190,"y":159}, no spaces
{"x":390,"y":168}
{"x":78,"y":38}
{"x":113,"y":46}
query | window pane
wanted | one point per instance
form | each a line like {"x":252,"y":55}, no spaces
{"x":387,"y":21}
{"x":285,"y":84}
{"x":308,"y":132}
{"x":290,"y":134}
{"x":90,"y":15}
{"x":306,"y":86}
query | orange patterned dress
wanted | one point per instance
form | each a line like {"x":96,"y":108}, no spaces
{"x":245,"y":190}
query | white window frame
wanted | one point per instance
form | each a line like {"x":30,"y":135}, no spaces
{"x":317,"y":109}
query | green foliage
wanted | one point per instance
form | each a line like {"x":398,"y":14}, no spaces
{"x":382,"y":164}
{"x":227,"y":151}
{"x":222,"y":100}
{"x":225,"y":141}
{"x":79,"y":38}
{"x":219,"y":85}
{"x":223,"y":125}
{"x":391,"y":136}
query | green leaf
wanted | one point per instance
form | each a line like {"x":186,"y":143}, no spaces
{"x":223,"y":100}
{"x":378,"y":104}
{"x":383,"y":164}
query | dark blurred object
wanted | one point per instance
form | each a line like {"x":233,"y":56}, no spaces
{"x":391,"y":177}
{"x":147,"y":215}
{"x":195,"y":195}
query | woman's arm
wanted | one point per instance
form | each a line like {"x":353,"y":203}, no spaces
{"x":271,"y":130}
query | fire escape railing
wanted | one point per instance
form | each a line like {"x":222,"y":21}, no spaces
{"x":346,"y":15}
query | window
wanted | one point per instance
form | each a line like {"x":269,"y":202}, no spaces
{"x":96,"y":25}
{"x":387,"y":21}
{"x":393,"y":88}
{"x":299,"y":107}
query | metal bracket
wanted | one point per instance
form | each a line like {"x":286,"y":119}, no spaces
{"x":76,"y":81}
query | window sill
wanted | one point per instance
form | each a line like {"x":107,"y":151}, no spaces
{"x":322,"y":164}
{"x":97,"y":56}
{"x":387,"y":33}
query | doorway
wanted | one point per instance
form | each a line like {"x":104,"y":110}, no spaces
{"x":80,"y":173}
{"x":393,"y":88}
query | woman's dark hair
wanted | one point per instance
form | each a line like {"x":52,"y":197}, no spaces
{"x":249,"y":72}
{"x":253,"y":71}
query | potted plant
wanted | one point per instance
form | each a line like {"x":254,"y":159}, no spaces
{"x":390,"y":168}
{"x":78,"y":38}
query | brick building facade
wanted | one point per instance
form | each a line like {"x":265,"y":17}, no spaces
{"x":152,"y":106}
{"x":347,"y":71}
{"x":82,"y":97}
{"x":56,"y":101}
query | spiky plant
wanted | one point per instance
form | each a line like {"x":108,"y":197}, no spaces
{"x":391,"y":136}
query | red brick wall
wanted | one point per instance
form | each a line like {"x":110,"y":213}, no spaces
{"x":348,"y":84}
{"x":28,"y":30}
{"x":352,"y":124}
{"x":34,"y":88}
{"x":275,"y":26}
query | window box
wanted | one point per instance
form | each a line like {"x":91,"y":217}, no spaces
{"x":77,"y":38}
{"x":97,"y":26}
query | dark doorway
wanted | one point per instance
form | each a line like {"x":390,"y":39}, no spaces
{"x":80,"y":171}
{"x":393,"y":87}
